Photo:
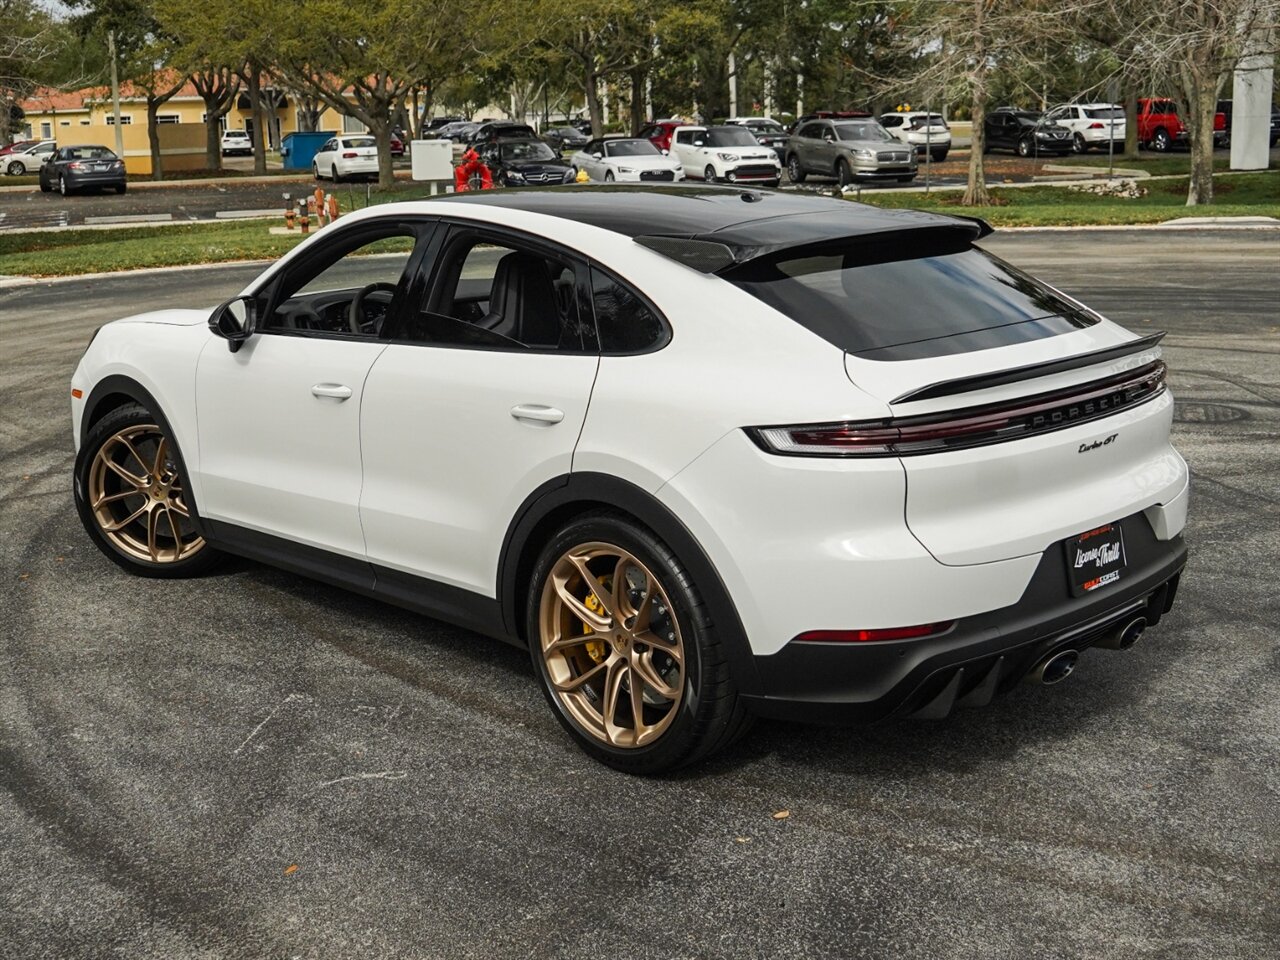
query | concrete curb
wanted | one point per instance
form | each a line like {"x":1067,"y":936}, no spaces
{"x":299,"y":177}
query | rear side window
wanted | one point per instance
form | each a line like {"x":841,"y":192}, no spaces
{"x":891,"y":301}
{"x":625,"y":321}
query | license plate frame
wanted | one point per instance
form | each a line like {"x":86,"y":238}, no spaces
{"x":1095,"y":559}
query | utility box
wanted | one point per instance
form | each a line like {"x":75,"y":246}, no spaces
{"x":297,"y":150}
{"x":432,"y":160}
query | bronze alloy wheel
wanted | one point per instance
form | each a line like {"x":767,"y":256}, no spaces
{"x":611,"y":645}
{"x":135,"y":495}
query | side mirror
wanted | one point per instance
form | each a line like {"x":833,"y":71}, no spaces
{"x":234,"y":321}
{"x":666,"y":152}
{"x":598,"y":156}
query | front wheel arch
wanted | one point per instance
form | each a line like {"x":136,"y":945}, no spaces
{"x":558,"y":501}
{"x":118,"y":390}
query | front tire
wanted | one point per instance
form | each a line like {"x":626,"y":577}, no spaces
{"x":794,"y":171}
{"x":130,"y":492}
{"x":1024,"y":148}
{"x":625,"y":649}
{"x":709,"y":174}
{"x":608,"y":176}
{"x":844,"y":176}
{"x":17,"y":168}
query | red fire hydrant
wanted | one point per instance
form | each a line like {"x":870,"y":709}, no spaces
{"x":470,"y":168}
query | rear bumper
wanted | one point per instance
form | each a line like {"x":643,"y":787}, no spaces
{"x":981,"y":656}
{"x":108,"y":179}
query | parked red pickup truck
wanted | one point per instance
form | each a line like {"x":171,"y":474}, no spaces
{"x":1160,"y":127}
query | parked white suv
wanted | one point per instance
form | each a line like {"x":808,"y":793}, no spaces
{"x":1091,"y":124}
{"x":686,"y":445}
{"x":236,"y":141}
{"x":727,"y":153}
{"x":927,"y":132}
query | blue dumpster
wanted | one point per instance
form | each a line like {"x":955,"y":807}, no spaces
{"x":299,"y":149}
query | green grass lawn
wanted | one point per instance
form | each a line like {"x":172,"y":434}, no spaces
{"x":1156,"y":164}
{"x":70,"y":252}
{"x":26,"y":180}
{"x":1255,"y":194}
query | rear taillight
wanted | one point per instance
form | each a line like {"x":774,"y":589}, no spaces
{"x":350,"y":155}
{"x":75,"y":165}
{"x":1095,"y":126}
{"x":871,"y":636}
{"x":967,"y":427}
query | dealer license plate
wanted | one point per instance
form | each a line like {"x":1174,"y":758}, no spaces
{"x":1095,"y":559}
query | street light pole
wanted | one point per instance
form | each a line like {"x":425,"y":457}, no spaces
{"x":115,"y":93}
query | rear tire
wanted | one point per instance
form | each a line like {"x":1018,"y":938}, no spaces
{"x":62,"y":186}
{"x":121,"y":188}
{"x":44,"y":186}
{"x":940,"y":156}
{"x":1078,"y":144}
{"x":333,"y":174}
{"x":684,"y":705}
{"x":1162,"y":142}
{"x":130,"y":493}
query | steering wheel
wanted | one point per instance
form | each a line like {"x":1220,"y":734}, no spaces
{"x":356,"y":313}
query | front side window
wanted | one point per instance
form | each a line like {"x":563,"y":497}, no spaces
{"x":962,"y":299}
{"x":491,"y":293}
{"x":349,"y":289}
{"x":691,"y":137}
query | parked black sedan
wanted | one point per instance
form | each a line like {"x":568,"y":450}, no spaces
{"x":565,"y":138}
{"x":523,"y":162}
{"x":79,"y":168}
{"x":1025,"y":132}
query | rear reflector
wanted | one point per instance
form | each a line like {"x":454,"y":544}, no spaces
{"x":870,"y":636}
{"x":969,"y":426}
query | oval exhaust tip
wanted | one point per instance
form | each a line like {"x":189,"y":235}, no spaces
{"x":1056,"y":668}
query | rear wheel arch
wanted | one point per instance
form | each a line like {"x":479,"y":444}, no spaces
{"x":559,"y":501}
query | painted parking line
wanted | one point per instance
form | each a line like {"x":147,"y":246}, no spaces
{"x":129,"y":218}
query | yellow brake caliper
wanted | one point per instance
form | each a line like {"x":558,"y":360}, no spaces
{"x":595,"y":648}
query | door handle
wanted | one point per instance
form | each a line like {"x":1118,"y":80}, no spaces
{"x":334,"y":391}
{"x":537,"y":413}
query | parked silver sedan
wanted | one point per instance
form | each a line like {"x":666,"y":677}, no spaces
{"x":849,"y":150}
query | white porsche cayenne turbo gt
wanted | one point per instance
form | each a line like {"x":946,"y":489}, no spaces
{"x":683,"y":443}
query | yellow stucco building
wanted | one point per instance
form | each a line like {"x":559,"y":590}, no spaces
{"x":86,"y":116}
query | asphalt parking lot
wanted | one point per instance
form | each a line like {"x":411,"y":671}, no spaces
{"x":253,"y":765}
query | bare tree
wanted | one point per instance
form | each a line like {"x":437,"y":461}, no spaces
{"x":949,"y":49}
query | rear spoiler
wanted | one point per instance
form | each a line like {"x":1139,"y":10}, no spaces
{"x":949,"y":388}
{"x":707,"y":255}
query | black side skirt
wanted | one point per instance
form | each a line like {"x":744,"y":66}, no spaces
{"x":463,"y":608}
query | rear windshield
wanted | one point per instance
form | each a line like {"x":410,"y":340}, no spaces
{"x":360,"y":142}
{"x":1104,"y":113}
{"x":885,"y":301}
{"x":89,"y":153}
